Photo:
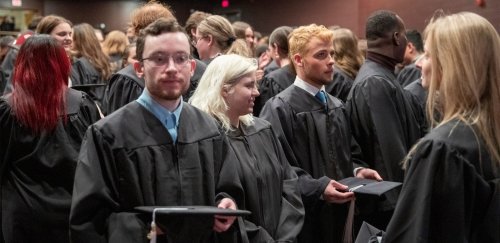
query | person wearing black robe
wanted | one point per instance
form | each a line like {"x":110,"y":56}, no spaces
{"x":340,"y":86}
{"x":413,"y":54}
{"x":271,"y":67}
{"x":156,"y":151}
{"x":408,"y":74}
{"x":276,"y":80}
{"x":122,"y":88}
{"x":268,"y":180}
{"x":418,"y":92}
{"x":125,"y":86}
{"x":383,"y":120}
{"x":348,"y":61}
{"x":85,"y":77}
{"x":272,"y":84}
{"x":451,"y":191}
{"x":8,"y":62}
{"x":315,"y":136}
{"x":37,"y":161}
{"x":269,"y":183}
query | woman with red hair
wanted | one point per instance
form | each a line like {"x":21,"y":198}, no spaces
{"x":42,"y":123}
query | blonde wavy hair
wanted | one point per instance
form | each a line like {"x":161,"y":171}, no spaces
{"x":298,"y":39}
{"x":223,"y":73}
{"x":465,"y":83}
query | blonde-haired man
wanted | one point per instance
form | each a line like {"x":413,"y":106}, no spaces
{"x":314,"y":131}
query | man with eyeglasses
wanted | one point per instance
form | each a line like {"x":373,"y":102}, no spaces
{"x":156,"y":151}
{"x":313,"y":129}
{"x":125,"y":86}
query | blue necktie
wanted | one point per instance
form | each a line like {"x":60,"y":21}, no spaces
{"x":321,"y":96}
{"x":171,"y":127}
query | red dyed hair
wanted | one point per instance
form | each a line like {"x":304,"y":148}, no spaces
{"x":40,"y":81}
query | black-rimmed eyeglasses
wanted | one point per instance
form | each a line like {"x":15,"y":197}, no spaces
{"x":159,"y":60}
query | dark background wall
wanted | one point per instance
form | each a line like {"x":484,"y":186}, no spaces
{"x":265,"y":15}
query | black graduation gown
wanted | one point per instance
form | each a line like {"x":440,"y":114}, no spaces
{"x":125,"y":86}
{"x":340,"y":86}
{"x":318,"y":141}
{"x":7,"y":68}
{"x":451,"y":191}
{"x":269,"y":183}
{"x":418,"y":97}
{"x":195,"y":79}
{"x":271,"y":67}
{"x":84,"y":73}
{"x":128,"y":159}
{"x":415,"y":88}
{"x":384,"y":123}
{"x":37,"y":172}
{"x":272,"y":84}
{"x":122,"y":88}
{"x":409,"y":74}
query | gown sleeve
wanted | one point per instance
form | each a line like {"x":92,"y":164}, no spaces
{"x":281,"y":117}
{"x":94,"y":190}
{"x":292,"y":209}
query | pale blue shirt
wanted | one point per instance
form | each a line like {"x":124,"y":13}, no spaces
{"x":170,"y":120}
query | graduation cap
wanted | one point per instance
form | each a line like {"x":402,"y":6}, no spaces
{"x":369,"y":234}
{"x":185,"y":223}
{"x":369,"y":187}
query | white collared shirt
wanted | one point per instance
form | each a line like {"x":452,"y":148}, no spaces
{"x":306,"y":86}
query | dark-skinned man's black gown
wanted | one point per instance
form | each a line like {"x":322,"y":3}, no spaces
{"x":269,"y":182}
{"x":451,"y":192}
{"x":128,"y":159}
{"x":37,"y":172}
{"x":317,"y":140}
{"x":386,"y":125}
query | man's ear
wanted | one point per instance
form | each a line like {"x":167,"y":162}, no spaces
{"x":297,"y":59}
{"x":139,"y":69}
{"x":411,"y":47}
{"x":193,"y":32}
{"x":395,"y":38}
{"x":193,"y":66}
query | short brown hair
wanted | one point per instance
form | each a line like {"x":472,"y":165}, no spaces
{"x":158,"y":27}
{"x":194,"y":20}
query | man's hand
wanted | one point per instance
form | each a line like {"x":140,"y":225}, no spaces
{"x":337,"y":193}
{"x":222,"y":223}
{"x":366,"y":173}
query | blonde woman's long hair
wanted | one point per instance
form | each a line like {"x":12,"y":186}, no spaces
{"x":223,"y":73}
{"x":465,"y":83}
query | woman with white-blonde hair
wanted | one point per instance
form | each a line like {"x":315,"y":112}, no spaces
{"x":227,"y":91}
{"x":451,"y":192}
